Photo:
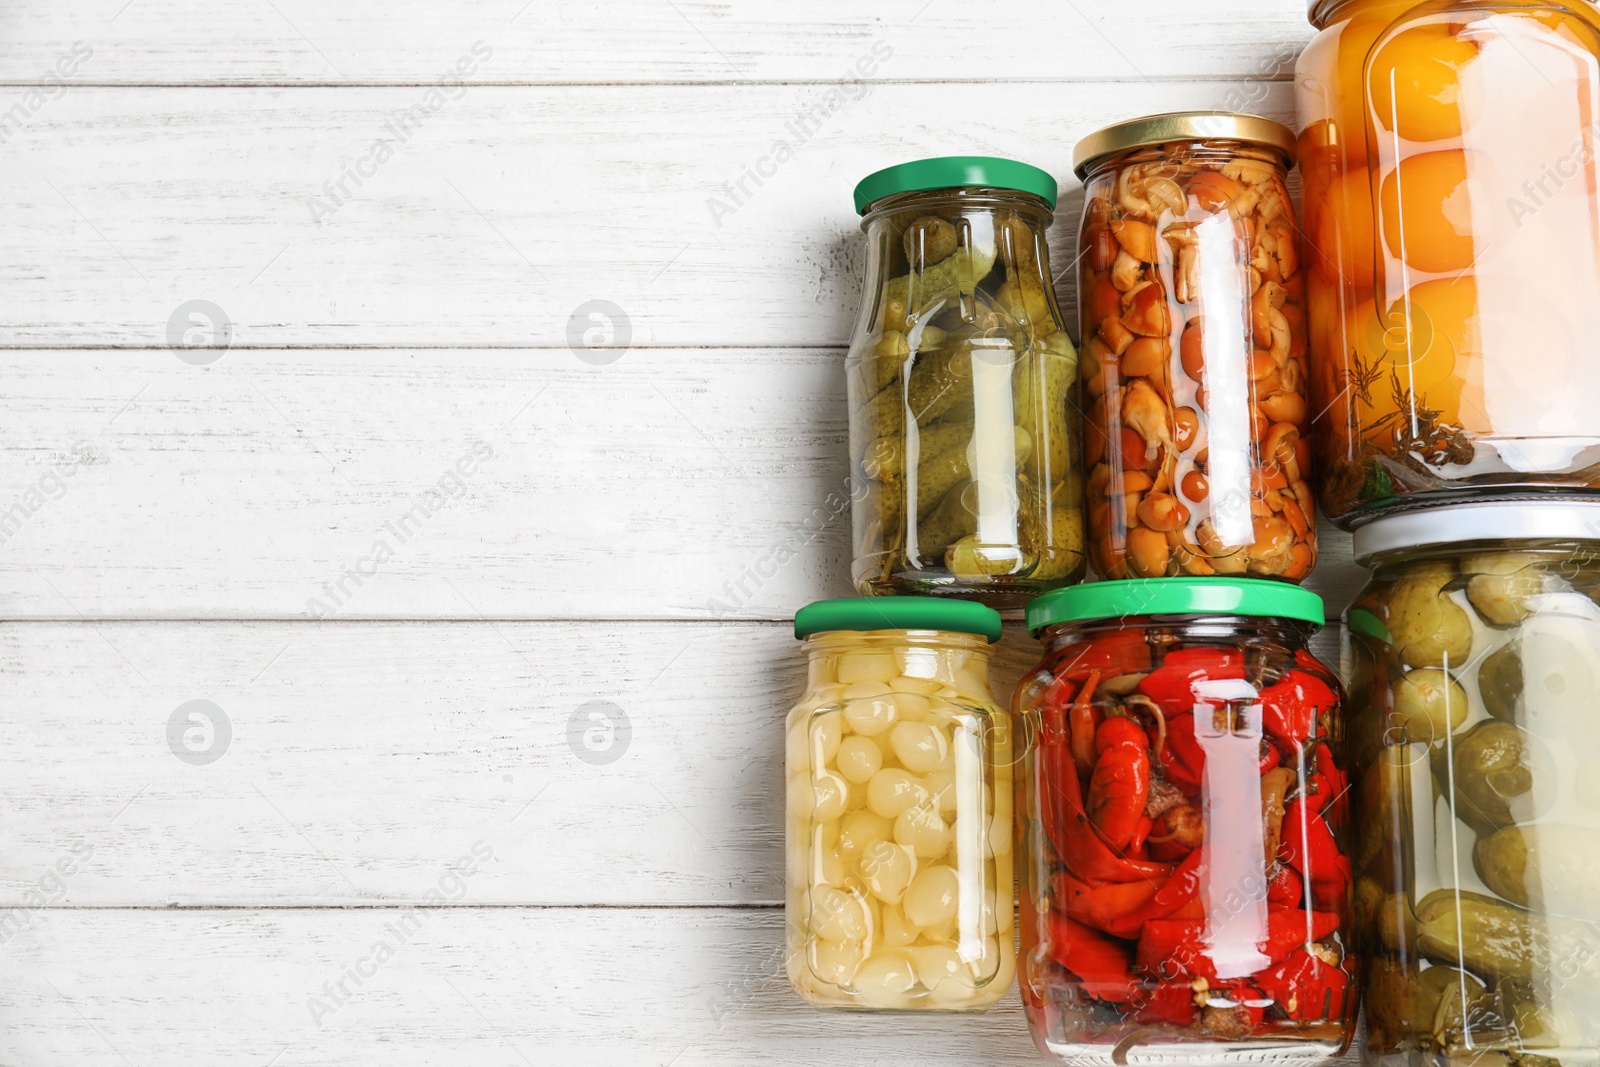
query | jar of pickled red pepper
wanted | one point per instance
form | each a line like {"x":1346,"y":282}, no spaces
{"x":1453,"y":248}
{"x":1475,"y":664}
{"x":1194,"y":350}
{"x":963,"y":422}
{"x":900,"y":878}
{"x":1185,"y":867}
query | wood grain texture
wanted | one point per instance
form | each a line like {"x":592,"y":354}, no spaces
{"x":494,"y":220}
{"x":554,"y":41}
{"x":662,"y":485}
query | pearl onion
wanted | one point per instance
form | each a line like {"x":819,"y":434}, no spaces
{"x":937,"y":964}
{"x":860,"y":829}
{"x":892,"y":791}
{"x":897,"y":933}
{"x":931,"y":897}
{"x":887,"y":869}
{"x":832,"y":797}
{"x":920,"y":829}
{"x":912,"y":707}
{"x":835,"y":962}
{"x":941,"y":786}
{"x":827,"y":730}
{"x":919,"y":747}
{"x":871,"y":711}
{"x":827,"y":868}
{"x":859,"y":759}
{"x":865,"y":666}
{"x":921,"y":686}
{"x":836,"y":915}
{"x":884,"y":980}
{"x":972,"y":686}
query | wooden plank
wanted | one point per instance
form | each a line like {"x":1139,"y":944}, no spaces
{"x":498,"y":219}
{"x":347,"y":760}
{"x":486,"y":987}
{"x":664,"y":485}
{"x":555,"y":41}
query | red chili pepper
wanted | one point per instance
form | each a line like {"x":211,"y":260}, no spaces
{"x":1066,"y":823}
{"x":1083,"y":719}
{"x":1290,"y":708}
{"x":1171,"y":685}
{"x":1140,"y":832}
{"x":1174,"y":948}
{"x":1181,"y":886}
{"x":1329,"y":768}
{"x":1286,"y":888}
{"x":1113,"y":652}
{"x":1182,"y":759}
{"x":1102,"y":907}
{"x":1309,"y":847}
{"x":1306,"y":988}
{"x":1120,"y":786}
{"x":1102,"y":964}
{"x":1171,"y":1003}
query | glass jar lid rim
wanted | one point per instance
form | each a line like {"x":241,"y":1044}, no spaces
{"x":869,"y":613}
{"x":955,"y":172}
{"x":1173,"y":126}
{"x":1139,"y":597}
{"x":1564,"y":519}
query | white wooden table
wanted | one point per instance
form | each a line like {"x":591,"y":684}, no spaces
{"x":402,"y":529}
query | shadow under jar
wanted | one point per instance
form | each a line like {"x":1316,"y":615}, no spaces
{"x":899,"y":837}
{"x":1182,"y":805}
{"x":1453,"y":249}
{"x":1194,"y":351}
{"x":1475,"y":662}
{"x":963,"y":430}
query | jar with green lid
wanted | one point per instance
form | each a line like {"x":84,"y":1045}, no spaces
{"x":1183,"y":812}
{"x":1474,"y":657}
{"x":963,"y":427}
{"x":899,"y":839}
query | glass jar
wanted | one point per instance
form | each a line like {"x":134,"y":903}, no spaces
{"x":1194,"y":350}
{"x":1185,"y":871}
{"x":1453,"y":231}
{"x":1475,"y":663}
{"x":899,"y":858}
{"x":963,"y":426}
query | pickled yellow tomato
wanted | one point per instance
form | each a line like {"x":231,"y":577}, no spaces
{"x":920,"y":829}
{"x":869,"y":709}
{"x":1415,"y":82}
{"x":919,"y":747}
{"x":931,"y":897}
{"x":892,"y":790}
{"x":836,"y":915}
{"x":887,"y":870}
{"x":859,"y":759}
{"x":1427,"y":212}
{"x":835,"y":962}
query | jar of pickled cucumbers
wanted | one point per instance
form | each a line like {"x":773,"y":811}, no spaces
{"x":1475,"y":664}
{"x":1453,"y":245}
{"x":900,"y":891}
{"x":1194,"y":350}
{"x":963,"y":422}
{"x":1185,"y":867}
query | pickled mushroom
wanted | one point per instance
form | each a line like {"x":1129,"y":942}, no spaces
{"x":1552,"y":866}
{"x":1429,"y":705}
{"x":1501,"y":585}
{"x":1429,"y":629}
{"x":1502,"y":775}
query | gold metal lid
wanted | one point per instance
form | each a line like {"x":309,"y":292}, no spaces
{"x":1183,"y":126}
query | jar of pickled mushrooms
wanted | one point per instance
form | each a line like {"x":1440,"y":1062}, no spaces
{"x":963,"y":421}
{"x":1185,"y":852}
{"x":899,"y":855}
{"x":1194,"y":351}
{"x":1475,"y":674}
{"x":1453,"y":249}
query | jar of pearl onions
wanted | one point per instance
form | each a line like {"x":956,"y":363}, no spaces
{"x":899,"y":858}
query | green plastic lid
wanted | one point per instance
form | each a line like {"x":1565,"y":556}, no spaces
{"x":898,"y":613}
{"x":953,"y":172}
{"x":1175,"y":596}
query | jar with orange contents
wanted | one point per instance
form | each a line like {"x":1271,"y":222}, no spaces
{"x":1194,"y":350}
{"x":1453,"y":249}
